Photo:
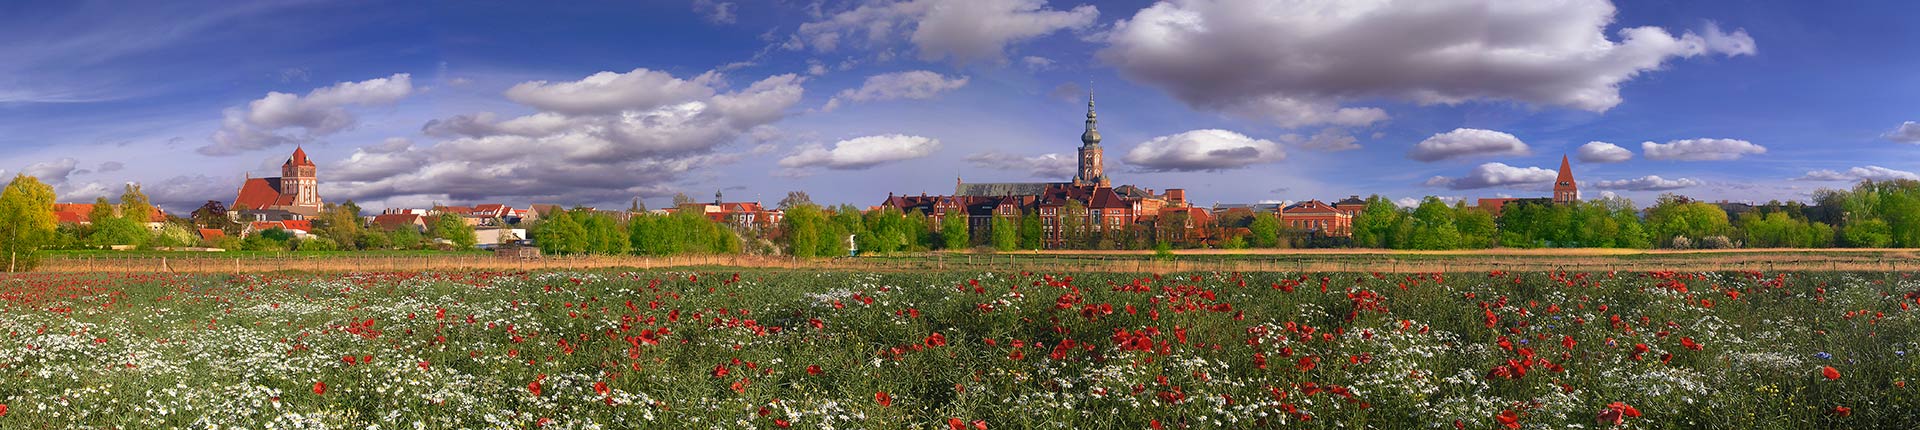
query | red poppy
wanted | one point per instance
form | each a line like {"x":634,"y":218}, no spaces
{"x":956,"y":424}
{"x":1616,"y":413}
{"x":3,"y":409}
{"x":781,"y":423}
{"x":813,"y":369}
{"x":1508,"y":418}
{"x":534,"y":387}
{"x":319,"y":388}
{"x":883,"y":398}
{"x":936,"y":339}
{"x":1830,"y":372}
{"x":600,"y":387}
{"x":1839,"y":411}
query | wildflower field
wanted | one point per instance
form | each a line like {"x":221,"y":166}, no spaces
{"x":727,"y":348}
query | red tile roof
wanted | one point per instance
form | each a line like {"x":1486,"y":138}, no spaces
{"x":299,"y":158}
{"x":394,"y":221}
{"x":76,"y":213}
{"x":258,"y":193}
{"x":212,"y":233}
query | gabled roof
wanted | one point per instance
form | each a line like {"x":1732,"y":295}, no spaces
{"x":78,"y":213}
{"x":1004,"y":189}
{"x":394,"y":221}
{"x":257,"y":193}
{"x":212,"y":233}
{"x":1351,"y":200}
{"x":1308,"y":207}
{"x":299,"y":158}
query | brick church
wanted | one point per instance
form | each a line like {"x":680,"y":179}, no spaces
{"x":1107,"y":208}
{"x":296,"y":190}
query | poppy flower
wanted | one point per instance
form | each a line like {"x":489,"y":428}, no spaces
{"x":813,"y":369}
{"x":1830,"y":372}
{"x":600,"y":387}
{"x":1616,"y":413}
{"x":884,"y":399}
{"x":319,"y":388}
{"x":534,"y":387}
{"x":1508,"y":418}
{"x":1838,"y":411}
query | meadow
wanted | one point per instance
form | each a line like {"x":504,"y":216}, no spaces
{"x":765,"y":348}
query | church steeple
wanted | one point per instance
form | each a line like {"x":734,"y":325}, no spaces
{"x":1092,"y":170}
{"x":1092,"y":135}
{"x":1564,"y":189}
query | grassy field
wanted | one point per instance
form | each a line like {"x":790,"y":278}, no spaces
{"x":730,"y":348}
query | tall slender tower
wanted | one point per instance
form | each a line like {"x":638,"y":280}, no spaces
{"x":1564,"y":189}
{"x":1091,"y":170}
{"x":299,"y":186}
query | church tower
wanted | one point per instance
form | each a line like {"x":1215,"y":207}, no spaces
{"x":299,"y":186}
{"x":1091,"y":170}
{"x":1564,"y":189}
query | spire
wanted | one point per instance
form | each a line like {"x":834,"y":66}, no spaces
{"x":1092,"y":136}
{"x":1566,"y":172}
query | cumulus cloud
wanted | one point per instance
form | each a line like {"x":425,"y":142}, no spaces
{"x":1700,"y":149}
{"x":619,"y":138}
{"x":959,"y":30}
{"x":861,"y":152}
{"x":1203,"y":150}
{"x":53,"y":172}
{"x":1907,"y":132}
{"x":609,"y":92}
{"x":1328,"y":140}
{"x":1039,"y":166}
{"x":1647,"y":183}
{"x":914,"y":85}
{"x":320,"y":112}
{"x":1603,"y":152}
{"x":1467,"y":142}
{"x":1875,"y":173}
{"x":1296,"y":62}
{"x":716,"y":12}
{"x":1035,"y":63}
{"x":1492,"y":175}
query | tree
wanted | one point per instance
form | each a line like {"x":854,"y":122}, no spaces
{"x":1374,"y":227}
{"x":110,"y":228}
{"x":1004,"y":236}
{"x":795,"y":199}
{"x":681,"y":199}
{"x":1073,"y":232}
{"x":953,"y":230}
{"x":340,"y":223}
{"x":558,"y":234}
{"x":804,"y":227}
{"x":26,"y":220}
{"x":134,"y":205}
{"x":454,"y":228}
{"x":1676,"y":216}
{"x":1032,"y":234}
{"x":1264,"y":231}
{"x":1477,"y":230}
{"x":638,"y":206}
{"x":213,"y":215}
{"x":1433,"y":226}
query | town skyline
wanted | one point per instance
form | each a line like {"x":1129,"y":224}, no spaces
{"x":407,"y":108}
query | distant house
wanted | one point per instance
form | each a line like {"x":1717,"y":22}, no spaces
{"x":1316,"y":217}
{"x":80,"y":214}
{"x":390,"y":222}
{"x":299,"y":228}
{"x":296,"y":190}
{"x":251,"y":215}
{"x":212,"y":234}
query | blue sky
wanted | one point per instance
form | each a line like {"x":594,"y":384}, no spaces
{"x":1235,"y":100}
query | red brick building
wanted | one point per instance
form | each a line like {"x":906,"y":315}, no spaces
{"x":296,"y":190}
{"x":1316,"y":217}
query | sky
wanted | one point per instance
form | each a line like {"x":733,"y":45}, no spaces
{"x":1238,"y":101}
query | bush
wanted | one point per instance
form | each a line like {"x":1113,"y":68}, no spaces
{"x":1716,"y":242}
{"x":315,"y":244}
{"x":1681,"y":242}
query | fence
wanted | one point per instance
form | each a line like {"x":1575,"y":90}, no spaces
{"x":1047,"y":263}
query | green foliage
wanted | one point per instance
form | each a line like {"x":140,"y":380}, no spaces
{"x":340,"y":223}
{"x":405,"y":237}
{"x":26,"y":220}
{"x":134,"y":205}
{"x":558,"y":234}
{"x":1433,"y":226}
{"x":454,"y":228}
{"x":1264,"y":230}
{"x":1783,"y":230}
{"x":1376,"y":225}
{"x":174,"y":235}
{"x":953,"y":230}
{"x":680,"y":233}
{"x":1673,"y":216}
{"x":805,"y":228}
{"x":315,"y":244}
{"x":1005,"y":238}
{"x":1476,"y":227}
{"x":1032,"y":233}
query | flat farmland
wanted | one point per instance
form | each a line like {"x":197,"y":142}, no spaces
{"x":729,"y":347}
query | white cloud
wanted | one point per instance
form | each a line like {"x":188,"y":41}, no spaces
{"x":1296,"y":62}
{"x":1037,"y":63}
{"x":914,"y":85}
{"x":1492,"y":175}
{"x":1876,"y":173}
{"x":716,"y":12}
{"x":110,"y":166}
{"x":861,"y":152}
{"x":1202,"y":150}
{"x":609,"y":92}
{"x":1603,"y":152}
{"x":591,"y":150}
{"x":1907,"y":132}
{"x":320,"y":113}
{"x":1647,"y":183}
{"x":963,"y":31}
{"x":1467,"y":142}
{"x":1329,"y":140}
{"x":1700,"y":149}
{"x":52,"y":172}
{"x":1040,"y":166}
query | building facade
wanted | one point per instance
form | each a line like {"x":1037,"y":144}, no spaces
{"x":297,"y":190}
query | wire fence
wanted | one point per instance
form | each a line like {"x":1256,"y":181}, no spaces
{"x":1042,"y":263}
